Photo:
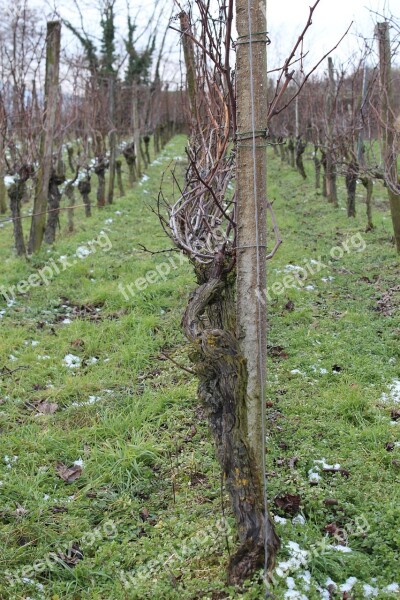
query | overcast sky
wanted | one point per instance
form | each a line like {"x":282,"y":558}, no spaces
{"x":286,"y":19}
{"x":331,"y":19}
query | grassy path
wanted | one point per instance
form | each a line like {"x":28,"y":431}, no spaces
{"x":109,"y":489}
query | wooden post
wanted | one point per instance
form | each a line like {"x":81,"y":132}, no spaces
{"x":46,"y":142}
{"x":3,"y":191}
{"x":136,"y":130}
{"x":112,"y":138}
{"x":330,"y":165}
{"x":188,"y":53}
{"x":388,"y":128}
{"x":251,"y":196}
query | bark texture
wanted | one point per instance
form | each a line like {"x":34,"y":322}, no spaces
{"x":222,"y":370}
{"x":388,"y":133}
{"x":15,"y":194}
{"x":53,"y":41}
{"x":54,"y":207}
{"x":251,"y":322}
{"x":351,"y":186}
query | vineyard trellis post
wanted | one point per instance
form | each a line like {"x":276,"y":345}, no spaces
{"x":388,"y":129}
{"x":53,"y":41}
{"x":251,"y":111}
{"x":112,"y":137}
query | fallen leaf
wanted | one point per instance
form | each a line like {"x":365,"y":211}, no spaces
{"x":20,"y":511}
{"x":144,"y":514}
{"x":47,"y":408}
{"x":343,"y":472}
{"x":395,"y":414}
{"x":331,"y":501}
{"x":72,"y":556}
{"x":59,"y":509}
{"x":277,"y":352}
{"x":289,"y":305}
{"x":78,"y":343}
{"x":288,"y":503}
{"x":292,"y":462}
{"x":68,"y":474}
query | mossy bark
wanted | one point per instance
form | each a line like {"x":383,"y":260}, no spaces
{"x":209,"y":323}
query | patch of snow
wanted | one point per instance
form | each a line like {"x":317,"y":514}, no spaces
{"x":348,"y":585}
{"x":313,"y":476}
{"x":393,"y":587}
{"x":325,"y":465}
{"x":309,"y":287}
{"x":66,"y":321}
{"x":306,"y":577}
{"x":82,"y":252}
{"x":10,"y":460}
{"x":340,"y":548}
{"x":289,"y":268}
{"x":108,"y":221}
{"x":330,"y":583}
{"x":297,"y":371}
{"x":92,"y":361}
{"x":12,"y":358}
{"x":299,"y":520}
{"x":297,"y":558}
{"x":79,"y":462}
{"x":394,"y":392}
{"x":280,"y":520}
{"x":325,"y":595}
{"x":72,"y":361}
{"x":369,"y":591}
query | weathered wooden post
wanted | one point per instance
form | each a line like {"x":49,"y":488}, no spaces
{"x":251,"y":197}
{"x":330,"y":164}
{"x":53,"y":41}
{"x":388,"y":130}
{"x":112,"y":138}
{"x":136,"y":130}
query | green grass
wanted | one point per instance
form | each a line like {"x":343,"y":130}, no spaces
{"x":146,"y":509}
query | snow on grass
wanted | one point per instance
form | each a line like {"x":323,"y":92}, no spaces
{"x":280,"y":520}
{"x":394,"y":392}
{"x":370,"y":591}
{"x":348,"y":585}
{"x":297,"y":558}
{"x":340,"y":548}
{"x":71,"y":361}
{"x":299,"y":520}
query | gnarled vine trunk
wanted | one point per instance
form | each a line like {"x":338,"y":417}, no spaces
{"x":209,"y":323}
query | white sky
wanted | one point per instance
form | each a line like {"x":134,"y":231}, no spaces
{"x":286,"y":19}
